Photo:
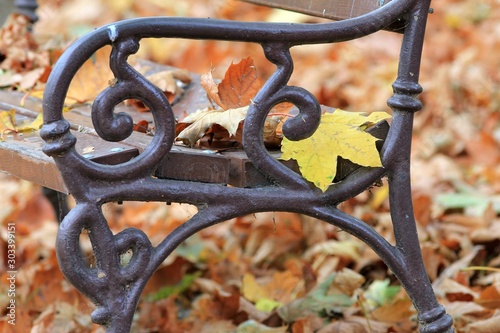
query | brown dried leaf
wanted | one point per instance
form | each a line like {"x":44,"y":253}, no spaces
{"x":240,"y":84}
{"x":347,"y":282}
{"x":92,"y":78}
{"x":202,"y":120}
{"x":141,"y":126}
{"x":490,"y":297}
{"x":212,"y":89}
{"x":399,"y":310}
{"x":18,"y":48}
{"x":210,"y":307}
{"x":167,"y":80}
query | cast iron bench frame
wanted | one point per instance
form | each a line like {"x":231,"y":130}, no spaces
{"x":116,"y":289}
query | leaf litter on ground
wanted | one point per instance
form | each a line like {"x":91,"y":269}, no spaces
{"x":459,"y":98}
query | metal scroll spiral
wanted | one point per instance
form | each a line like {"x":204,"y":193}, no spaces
{"x":276,"y":91}
{"x":114,"y":287}
{"x":110,"y":285}
{"x":117,"y":127}
{"x":113,"y":126}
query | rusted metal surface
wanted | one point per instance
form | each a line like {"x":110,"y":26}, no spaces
{"x":115,"y":289}
{"x":335,"y":10}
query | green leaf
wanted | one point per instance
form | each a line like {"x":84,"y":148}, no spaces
{"x":316,"y":302}
{"x":176,"y":289}
{"x":474,"y":203}
{"x":192,"y":249}
{"x":381,"y":293}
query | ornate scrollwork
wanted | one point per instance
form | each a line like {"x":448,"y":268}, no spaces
{"x":115,"y":288}
{"x":110,"y":285}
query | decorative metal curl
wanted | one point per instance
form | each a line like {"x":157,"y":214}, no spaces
{"x":113,"y":287}
{"x":273,"y":92}
{"x":116,"y":288}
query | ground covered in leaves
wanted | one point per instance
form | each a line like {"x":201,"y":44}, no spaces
{"x":281,"y":272}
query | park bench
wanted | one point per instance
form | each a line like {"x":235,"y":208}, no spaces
{"x":128,"y":165}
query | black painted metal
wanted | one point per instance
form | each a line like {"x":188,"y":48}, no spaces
{"x":27,"y":8}
{"x":116,"y":289}
{"x":58,"y":201}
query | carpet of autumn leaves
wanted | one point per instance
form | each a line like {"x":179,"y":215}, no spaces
{"x":230,"y":278}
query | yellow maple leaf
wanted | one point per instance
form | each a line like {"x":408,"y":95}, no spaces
{"x":31,"y":125}
{"x":252,"y":290}
{"x":340,"y":133}
{"x":8,"y":123}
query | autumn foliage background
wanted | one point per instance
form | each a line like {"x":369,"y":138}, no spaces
{"x":229,"y":278}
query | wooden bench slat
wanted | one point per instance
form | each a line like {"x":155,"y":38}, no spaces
{"x":335,"y":10}
{"x":21,"y":155}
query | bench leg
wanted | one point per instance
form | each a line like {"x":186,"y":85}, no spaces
{"x":412,"y":274}
{"x":27,"y":8}
{"x":58,"y":201}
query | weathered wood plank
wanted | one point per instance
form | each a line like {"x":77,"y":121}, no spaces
{"x":335,"y":10}
{"x":21,"y":154}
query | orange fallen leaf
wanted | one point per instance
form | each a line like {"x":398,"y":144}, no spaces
{"x":92,"y":78}
{"x":141,"y":126}
{"x":171,"y":81}
{"x":239,"y":86}
{"x":212,"y":89}
{"x":232,"y":97}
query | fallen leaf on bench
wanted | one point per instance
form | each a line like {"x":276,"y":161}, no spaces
{"x":171,"y":82}
{"x":230,"y":100}
{"x":8,"y":123}
{"x":212,"y":89}
{"x":239,"y":86}
{"x":31,"y":125}
{"x":202,"y":120}
{"x":340,"y":133}
{"x":88,"y":150}
{"x":92,"y":78}
{"x":141,"y":126}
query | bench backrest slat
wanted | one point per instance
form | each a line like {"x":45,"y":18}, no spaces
{"x":336,"y":10}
